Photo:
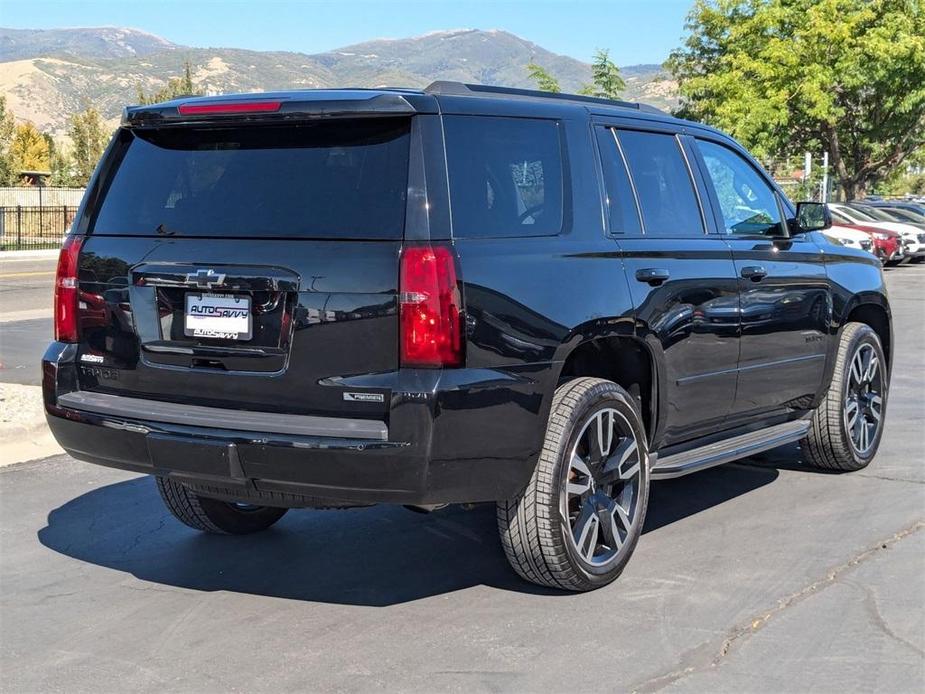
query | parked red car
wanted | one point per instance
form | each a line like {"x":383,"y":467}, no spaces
{"x":887,"y":245}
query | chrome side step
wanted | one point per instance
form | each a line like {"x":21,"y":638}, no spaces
{"x":742,"y":446}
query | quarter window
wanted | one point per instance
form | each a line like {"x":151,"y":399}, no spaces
{"x":748,"y":203}
{"x":663,"y":184}
{"x":505,"y":176}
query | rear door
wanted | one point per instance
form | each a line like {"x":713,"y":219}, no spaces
{"x":682,"y":279}
{"x":783,"y":288}
{"x":246,"y":266}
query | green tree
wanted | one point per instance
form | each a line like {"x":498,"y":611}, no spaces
{"x":28,"y":150}
{"x":59,"y":163}
{"x":176,"y":87}
{"x":545,"y":81}
{"x":606,"y":81}
{"x":785,"y":76}
{"x":905,"y":179}
{"x":89,"y":140}
{"x":7,"y":128}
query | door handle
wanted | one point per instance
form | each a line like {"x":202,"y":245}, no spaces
{"x":652,"y":275}
{"x":755,"y":273}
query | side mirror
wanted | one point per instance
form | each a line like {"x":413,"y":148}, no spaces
{"x":811,"y":216}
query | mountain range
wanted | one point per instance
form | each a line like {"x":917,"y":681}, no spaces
{"x":48,"y":74}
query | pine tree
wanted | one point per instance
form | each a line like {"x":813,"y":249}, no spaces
{"x":545,"y":81}
{"x":175,"y":88}
{"x":606,"y":81}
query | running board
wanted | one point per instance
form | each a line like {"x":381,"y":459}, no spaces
{"x":742,"y":446}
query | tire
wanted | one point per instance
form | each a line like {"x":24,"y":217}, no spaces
{"x":214,"y":515}
{"x":833,"y":442}
{"x":543,"y":530}
{"x":917,"y":259}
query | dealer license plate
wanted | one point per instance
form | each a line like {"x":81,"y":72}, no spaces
{"x":223,"y":316}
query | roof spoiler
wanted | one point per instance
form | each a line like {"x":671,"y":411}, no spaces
{"x":288,"y":106}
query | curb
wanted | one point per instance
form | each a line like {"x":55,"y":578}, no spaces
{"x":21,"y":444}
{"x":24,"y":433}
{"x":29,"y":255}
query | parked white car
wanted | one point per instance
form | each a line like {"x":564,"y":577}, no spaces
{"x":852,"y":238}
{"x":913,"y":245}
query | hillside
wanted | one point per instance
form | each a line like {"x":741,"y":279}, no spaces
{"x":47,"y":75}
{"x":94,"y":44}
{"x":465,"y":55}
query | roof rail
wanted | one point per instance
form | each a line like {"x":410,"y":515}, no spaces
{"x":461,"y":89}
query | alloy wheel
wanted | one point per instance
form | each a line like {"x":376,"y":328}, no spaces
{"x":863,"y":410}
{"x":599,"y":501}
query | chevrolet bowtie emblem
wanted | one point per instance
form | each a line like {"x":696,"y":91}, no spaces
{"x":205,"y":279}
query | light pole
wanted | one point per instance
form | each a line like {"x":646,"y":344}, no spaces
{"x":825,"y":176}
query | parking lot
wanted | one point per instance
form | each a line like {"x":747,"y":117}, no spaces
{"x":756,"y":576}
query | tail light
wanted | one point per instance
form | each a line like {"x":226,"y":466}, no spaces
{"x":430,"y":309}
{"x":66,"y":290}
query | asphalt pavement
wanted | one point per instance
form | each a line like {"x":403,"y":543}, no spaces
{"x":758,"y":576}
{"x":26,"y":294}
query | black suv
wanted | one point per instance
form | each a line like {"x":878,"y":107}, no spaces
{"x":332,"y":298}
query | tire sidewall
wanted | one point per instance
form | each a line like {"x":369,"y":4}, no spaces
{"x":606,"y":395}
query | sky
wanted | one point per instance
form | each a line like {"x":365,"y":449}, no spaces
{"x":635,"y":31}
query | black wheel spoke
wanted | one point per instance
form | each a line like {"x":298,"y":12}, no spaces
{"x":615,"y":525}
{"x":623,"y":462}
{"x":585,"y":531}
{"x":599,"y":437}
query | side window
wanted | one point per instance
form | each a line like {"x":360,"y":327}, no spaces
{"x":505,"y":176}
{"x":621,"y":203}
{"x":748,"y":203}
{"x":663,"y":184}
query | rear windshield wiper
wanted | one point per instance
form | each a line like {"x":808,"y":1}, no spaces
{"x":163,"y":230}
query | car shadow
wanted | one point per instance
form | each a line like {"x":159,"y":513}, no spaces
{"x":376,"y":556}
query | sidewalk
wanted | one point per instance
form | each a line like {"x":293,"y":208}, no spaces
{"x":29,"y":255}
{"x":24,"y":435}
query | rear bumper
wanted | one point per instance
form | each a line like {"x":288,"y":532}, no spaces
{"x":452,"y":436}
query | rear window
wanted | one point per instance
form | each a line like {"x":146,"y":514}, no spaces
{"x":343,"y":179}
{"x":505,"y":176}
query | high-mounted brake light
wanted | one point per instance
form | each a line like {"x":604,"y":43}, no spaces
{"x":66,"y":290}
{"x":229,"y":107}
{"x":430,"y":308}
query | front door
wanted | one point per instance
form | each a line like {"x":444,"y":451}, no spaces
{"x":785,"y":303}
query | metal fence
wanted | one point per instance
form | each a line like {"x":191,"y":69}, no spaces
{"x":31,"y":227}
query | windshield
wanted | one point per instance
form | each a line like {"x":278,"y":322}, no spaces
{"x":335,"y":179}
{"x":840,"y":218}
{"x":877,"y":214}
{"x":906,"y":215}
{"x":857,"y":215}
